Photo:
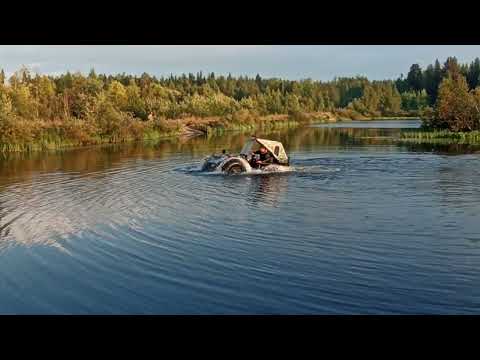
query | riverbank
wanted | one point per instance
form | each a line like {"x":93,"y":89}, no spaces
{"x":25,"y":136}
{"x":441,"y":137}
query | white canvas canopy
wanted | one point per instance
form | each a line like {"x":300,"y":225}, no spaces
{"x":274,"y":147}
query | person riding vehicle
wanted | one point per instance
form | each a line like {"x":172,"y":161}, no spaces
{"x":265,"y":158}
{"x":271,"y":157}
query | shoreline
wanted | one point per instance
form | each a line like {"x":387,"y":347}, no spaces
{"x":440,"y":137}
{"x":194,"y":126}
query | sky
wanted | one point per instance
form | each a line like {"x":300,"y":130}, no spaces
{"x":318,"y":62}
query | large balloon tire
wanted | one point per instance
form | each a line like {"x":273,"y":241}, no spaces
{"x":234,"y":167}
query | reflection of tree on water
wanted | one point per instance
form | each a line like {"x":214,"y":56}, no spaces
{"x":309,"y":138}
{"x":93,"y":160}
{"x":267,"y":189}
{"x":441,"y":148}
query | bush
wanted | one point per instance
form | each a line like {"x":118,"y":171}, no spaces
{"x":16,"y":131}
{"x":299,"y":116}
{"x":457,"y":108}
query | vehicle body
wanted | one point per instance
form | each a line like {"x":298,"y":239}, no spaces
{"x":246,"y":161}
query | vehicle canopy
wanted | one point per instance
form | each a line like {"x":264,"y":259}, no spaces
{"x":274,"y":147}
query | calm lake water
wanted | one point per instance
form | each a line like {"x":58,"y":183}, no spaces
{"x":364,"y":225}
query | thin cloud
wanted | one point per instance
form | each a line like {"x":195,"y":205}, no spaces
{"x":292,"y":62}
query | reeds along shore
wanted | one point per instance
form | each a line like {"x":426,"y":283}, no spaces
{"x":36,"y":135}
{"x":443,"y":136}
{"x":21,"y":135}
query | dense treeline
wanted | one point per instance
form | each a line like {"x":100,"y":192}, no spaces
{"x":74,"y":95}
{"x":96,"y":107}
{"x":425,"y":83}
{"x":455,"y":94}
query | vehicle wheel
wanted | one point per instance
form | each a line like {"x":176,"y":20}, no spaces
{"x":233,"y":166}
{"x":235,"y":169}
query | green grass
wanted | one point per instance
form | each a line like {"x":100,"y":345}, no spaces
{"x":50,"y":142}
{"x":441,"y":136}
{"x":53,"y":140}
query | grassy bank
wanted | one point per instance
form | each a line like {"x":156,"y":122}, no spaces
{"x":57,"y":143}
{"x":441,"y":136}
{"x":22,"y":135}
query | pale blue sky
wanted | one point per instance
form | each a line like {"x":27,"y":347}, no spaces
{"x":322,"y":62}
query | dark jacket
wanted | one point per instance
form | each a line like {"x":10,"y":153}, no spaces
{"x":265,"y":158}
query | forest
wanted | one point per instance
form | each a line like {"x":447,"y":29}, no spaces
{"x":80,"y":109}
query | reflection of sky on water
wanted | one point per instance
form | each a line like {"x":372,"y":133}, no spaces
{"x":45,"y":199}
{"x":47,"y":209}
{"x":361,"y":226}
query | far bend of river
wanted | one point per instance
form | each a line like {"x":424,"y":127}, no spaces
{"x":365,"y":225}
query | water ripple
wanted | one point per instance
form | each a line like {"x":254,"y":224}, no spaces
{"x":362,"y":228}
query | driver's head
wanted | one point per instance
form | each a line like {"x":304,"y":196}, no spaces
{"x":263,"y":149}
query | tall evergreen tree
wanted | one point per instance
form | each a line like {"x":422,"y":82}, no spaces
{"x":92,"y":74}
{"x":473,"y":75}
{"x":415,"y":78}
{"x":430,"y":84}
{"x":451,"y":66}
{"x":437,"y":78}
{"x":401,"y":84}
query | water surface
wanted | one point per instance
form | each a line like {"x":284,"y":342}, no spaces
{"x":365,"y":225}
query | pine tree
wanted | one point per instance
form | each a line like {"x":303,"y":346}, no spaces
{"x":437,"y":79}
{"x":473,"y":75}
{"x":415,"y":78}
{"x":451,"y":67}
{"x":401,"y":84}
{"x":429,"y":81}
{"x":92,"y":74}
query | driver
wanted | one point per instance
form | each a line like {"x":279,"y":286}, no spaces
{"x":265,"y":157}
